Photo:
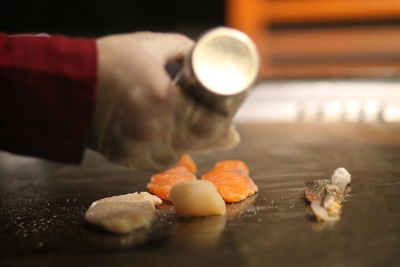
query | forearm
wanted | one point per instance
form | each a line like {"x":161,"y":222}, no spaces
{"x":47,"y":87}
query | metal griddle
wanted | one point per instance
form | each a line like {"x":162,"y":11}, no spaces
{"x":42,"y":206}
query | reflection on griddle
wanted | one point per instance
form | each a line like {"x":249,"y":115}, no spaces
{"x":207,"y":231}
{"x":116,"y":242}
{"x":198,"y":232}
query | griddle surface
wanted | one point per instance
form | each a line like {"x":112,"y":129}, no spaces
{"x":42,"y":206}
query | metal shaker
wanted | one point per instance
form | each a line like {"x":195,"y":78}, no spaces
{"x":220,"y":70}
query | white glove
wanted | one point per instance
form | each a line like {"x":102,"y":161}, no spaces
{"x":141,"y":118}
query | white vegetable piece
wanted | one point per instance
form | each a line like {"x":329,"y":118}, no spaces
{"x":341,"y":177}
{"x":123,"y":214}
{"x":197,"y":198}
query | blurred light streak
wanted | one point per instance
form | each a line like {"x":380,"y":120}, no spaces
{"x":391,"y":113}
{"x":348,"y":101}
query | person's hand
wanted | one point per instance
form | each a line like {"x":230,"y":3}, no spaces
{"x":141,"y":118}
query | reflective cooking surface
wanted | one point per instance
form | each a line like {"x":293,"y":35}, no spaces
{"x":42,"y":206}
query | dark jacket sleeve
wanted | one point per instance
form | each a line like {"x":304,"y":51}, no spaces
{"x":47,"y":88}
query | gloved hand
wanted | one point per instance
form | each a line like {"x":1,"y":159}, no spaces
{"x":141,"y":118}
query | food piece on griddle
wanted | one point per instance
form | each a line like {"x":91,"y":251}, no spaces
{"x":161,"y":183}
{"x":326,"y":196}
{"x":231,"y":179}
{"x":233,"y":187}
{"x":341,"y":177}
{"x":120,"y":217}
{"x":197,"y":198}
{"x":123,"y":214}
{"x":146,"y":196}
{"x":315,"y":190}
{"x":187,"y":161}
{"x":236,"y":166}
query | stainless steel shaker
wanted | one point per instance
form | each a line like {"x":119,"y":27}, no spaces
{"x":220,"y":70}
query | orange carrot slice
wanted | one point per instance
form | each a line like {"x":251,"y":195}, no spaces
{"x":187,"y":161}
{"x":231,"y":179}
{"x":161,"y":183}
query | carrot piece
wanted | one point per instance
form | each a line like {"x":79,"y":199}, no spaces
{"x":161,"y":183}
{"x":231,"y":179}
{"x":187,"y":161}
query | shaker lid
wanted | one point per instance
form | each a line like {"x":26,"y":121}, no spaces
{"x":225,"y":61}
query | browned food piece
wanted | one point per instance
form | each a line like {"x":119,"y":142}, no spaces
{"x":326,"y":196}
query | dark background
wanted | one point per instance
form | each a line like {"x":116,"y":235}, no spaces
{"x":93,"y":18}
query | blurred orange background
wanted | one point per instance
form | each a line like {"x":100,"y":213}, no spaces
{"x":322,"y":38}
